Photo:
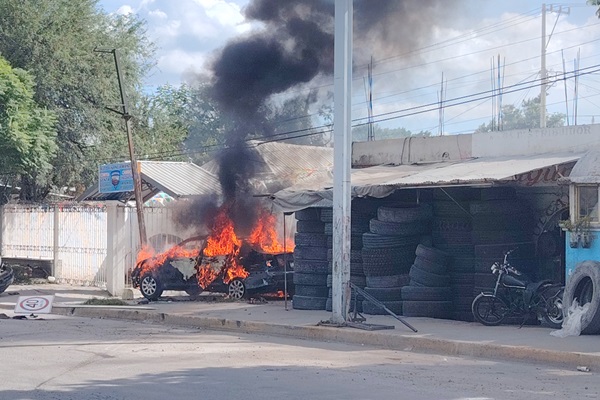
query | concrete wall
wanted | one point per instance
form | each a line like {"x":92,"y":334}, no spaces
{"x":492,"y":144}
{"x":411,"y":150}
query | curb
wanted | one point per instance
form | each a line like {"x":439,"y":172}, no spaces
{"x":343,"y":335}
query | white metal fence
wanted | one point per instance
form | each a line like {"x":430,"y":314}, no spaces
{"x":88,"y":245}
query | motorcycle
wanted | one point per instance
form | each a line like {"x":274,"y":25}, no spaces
{"x":516,"y":295}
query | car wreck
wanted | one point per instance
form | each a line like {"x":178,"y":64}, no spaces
{"x":243,"y":273}
{"x":7,"y":276}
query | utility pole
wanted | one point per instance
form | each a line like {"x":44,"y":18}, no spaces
{"x":342,"y":153}
{"x":137,"y":181}
{"x":543,"y":71}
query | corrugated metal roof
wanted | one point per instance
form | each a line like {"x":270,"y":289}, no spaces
{"x":381,"y":181}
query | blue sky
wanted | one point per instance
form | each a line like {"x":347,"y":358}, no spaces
{"x":462,"y":48}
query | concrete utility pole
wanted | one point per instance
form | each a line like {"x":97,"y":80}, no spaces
{"x":543,"y":71}
{"x":137,"y":181}
{"x":342,"y":153}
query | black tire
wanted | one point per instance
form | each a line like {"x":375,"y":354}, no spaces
{"x":452,"y":224}
{"x":462,"y":264}
{"x":372,"y":309}
{"x":405,"y":213}
{"x":457,"y":250}
{"x":506,"y":207}
{"x":456,"y":194}
{"x":151,"y":287}
{"x":413,"y":228}
{"x":495,"y":237}
{"x":308,"y":303}
{"x":430,"y":266}
{"x":312,"y":267}
{"x":310,"y":279}
{"x":327,"y":214}
{"x":375,"y":241}
{"x":356,"y":229}
{"x":553,"y":313}
{"x":500,"y":222}
{"x":435,"y":255}
{"x":385,"y":294}
{"x":489,"y":310}
{"x":387,"y":262}
{"x":451,"y":237}
{"x":387,"y":281}
{"x":310,"y":227}
{"x":308,"y":214}
{"x":310,"y":253}
{"x":236,"y":289}
{"x":584,"y":285}
{"x":311,"y":291}
{"x":429,"y":309}
{"x":496,"y":251}
{"x":428,"y":279}
{"x":451,"y":209}
{"x":310,"y":239}
{"x":415,"y":293}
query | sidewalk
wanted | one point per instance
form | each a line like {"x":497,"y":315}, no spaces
{"x":530,"y":343}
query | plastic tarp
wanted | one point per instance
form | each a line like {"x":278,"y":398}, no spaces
{"x":381,"y":181}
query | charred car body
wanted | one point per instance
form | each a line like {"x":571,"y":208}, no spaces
{"x":240,"y":275}
{"x":6,"y":276}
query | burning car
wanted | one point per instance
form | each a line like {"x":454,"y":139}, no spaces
{"x":186,"y":267}
{"x":6,"y":276}
{"x":219,"y":262}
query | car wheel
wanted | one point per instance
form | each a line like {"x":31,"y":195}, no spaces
{"x":237,"y":289}
{"x":150,"y":287}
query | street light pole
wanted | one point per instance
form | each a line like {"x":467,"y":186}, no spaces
{"x":137,"y":181}
{"x":342,"y":152}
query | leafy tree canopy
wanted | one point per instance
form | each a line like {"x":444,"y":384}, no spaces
{"x":27,"y":131}
{"x":526,"y":117}
{"x":55,"y":40}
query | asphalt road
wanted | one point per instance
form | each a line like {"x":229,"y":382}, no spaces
{"x":73,"y":358}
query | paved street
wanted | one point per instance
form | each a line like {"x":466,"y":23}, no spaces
{"x":77,"y":358}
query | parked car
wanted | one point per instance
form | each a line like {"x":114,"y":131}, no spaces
{"x":7,"y":276}
{"x":266,"y":273}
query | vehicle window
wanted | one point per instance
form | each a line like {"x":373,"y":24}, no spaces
{"x":588,"y":202}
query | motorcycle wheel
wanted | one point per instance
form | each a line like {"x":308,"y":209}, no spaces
{"x":489,"y":310}
{"x":553,"y":314}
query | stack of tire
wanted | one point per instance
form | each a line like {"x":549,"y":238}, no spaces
{"x":389,"y":251}
{"x":310,"y":261}
{"x":429,"y":293}
{"x":501,"y":222}
{"x":362,"y":211}
{"x":452,"y":233}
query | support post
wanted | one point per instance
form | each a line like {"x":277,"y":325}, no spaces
{"x":342,"y":159}
{"x":543,"y":72}
{"x":56,"y":243}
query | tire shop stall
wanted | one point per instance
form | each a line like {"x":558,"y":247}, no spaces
{"x":582,"y":230}
{"x":423,"y":237}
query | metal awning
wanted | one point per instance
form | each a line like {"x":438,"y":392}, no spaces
{"x":381,"y":181}
{"x":177,"y":179}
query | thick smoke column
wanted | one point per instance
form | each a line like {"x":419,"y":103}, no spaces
{"x":295,"y":47}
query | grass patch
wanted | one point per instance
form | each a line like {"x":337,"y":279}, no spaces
{"x":105,"y":302}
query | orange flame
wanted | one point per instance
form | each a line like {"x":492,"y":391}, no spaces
{"x":154,"y":260}
{"x":223,"y":239}
{"x":264,"y":235}
{"x":206,"y":275}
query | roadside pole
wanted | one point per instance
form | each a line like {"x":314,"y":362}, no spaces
{"x":342,"y":151}
{"x":137,"y":181}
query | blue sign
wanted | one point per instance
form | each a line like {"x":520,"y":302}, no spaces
{"x":115,"y":178}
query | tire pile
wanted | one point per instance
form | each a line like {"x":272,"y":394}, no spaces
{"x":429,"y":293}
{"x":363,"y":210}
{"x":389,"y":251}
{"x":452,"y":233}
{"x":310,"y":261}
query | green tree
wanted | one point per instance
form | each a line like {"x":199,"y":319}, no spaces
{"x":361,"y":133}
{"x":55,"y":40}
{"x":526,"y":117}
{"x":27,"y":132}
